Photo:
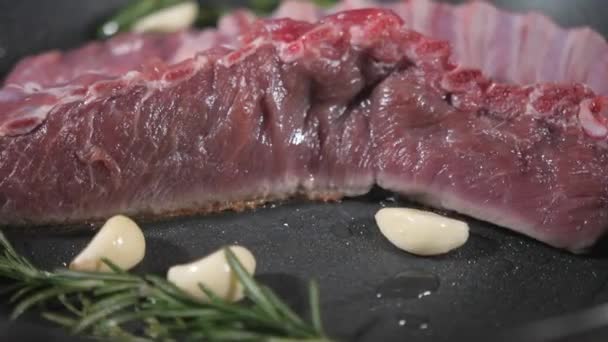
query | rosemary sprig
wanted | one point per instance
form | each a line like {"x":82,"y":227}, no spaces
{"x":126,"y":17}
{"x":125,"y":306}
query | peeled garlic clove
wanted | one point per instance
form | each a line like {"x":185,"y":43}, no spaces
{"x":213,"y":272}
{"x":421,"y":232}
{"x":170,"y":19}
{"x":119,"y":240}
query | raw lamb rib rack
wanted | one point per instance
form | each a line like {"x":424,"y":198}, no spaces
{"x":323,"y":110}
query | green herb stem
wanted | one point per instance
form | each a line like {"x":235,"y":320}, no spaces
{"x":124,"y":19}
{"x":107,"y":304}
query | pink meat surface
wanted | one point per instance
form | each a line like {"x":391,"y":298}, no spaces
{"x":517,"y":48}
{"x":126,"y":52}
{"x":324,"y":110}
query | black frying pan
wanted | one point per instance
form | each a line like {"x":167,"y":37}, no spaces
{"x":498,"y":284}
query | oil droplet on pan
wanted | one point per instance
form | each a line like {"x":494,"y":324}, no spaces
{"x":409,"y":284}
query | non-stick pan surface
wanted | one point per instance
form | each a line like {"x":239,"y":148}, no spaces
{"x":498,"y":284}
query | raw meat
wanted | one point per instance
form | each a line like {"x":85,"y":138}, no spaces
{"x":324,"y":110}
{"x":515,"y":48}
{"x":126,"y":52}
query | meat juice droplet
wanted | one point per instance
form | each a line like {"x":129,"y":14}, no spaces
{"x":412,"y":321}
{"x":350,"y":228}
{"x":388,"y":201}
{"x":409,"y":284}
{"x":394,"y":325}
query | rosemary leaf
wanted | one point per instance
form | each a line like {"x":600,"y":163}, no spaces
{"x":106,"y":304}
{"x":172,"y":292}
{"x":315,"y":307}
{"x":72,"y":276}
{"x":127,"y":16}
{"x":59,"y":319}
{"x":283,"y":309}
{"x":109,"y":289}
{"x":118,"y":303}
{"x":111,"y":300}
{"x":20,"y":293}
{"x":324,"y":3}
{"x":113,"y":267}
{"x":69,"y":306}
{"x":251,"y":288}
{"x":263,"y":6}
{"x":37,"y":298}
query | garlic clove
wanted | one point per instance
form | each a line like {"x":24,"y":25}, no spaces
{"x":214,"y":272}
{"x":421,"y":232}
{"x":170,"y":19}
{"x":120,"y":240}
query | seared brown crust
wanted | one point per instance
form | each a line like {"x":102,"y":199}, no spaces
{"x":212,"y":208}
{"x":240,"y":206}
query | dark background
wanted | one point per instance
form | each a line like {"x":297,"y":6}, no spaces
{"x":498,"y":283}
